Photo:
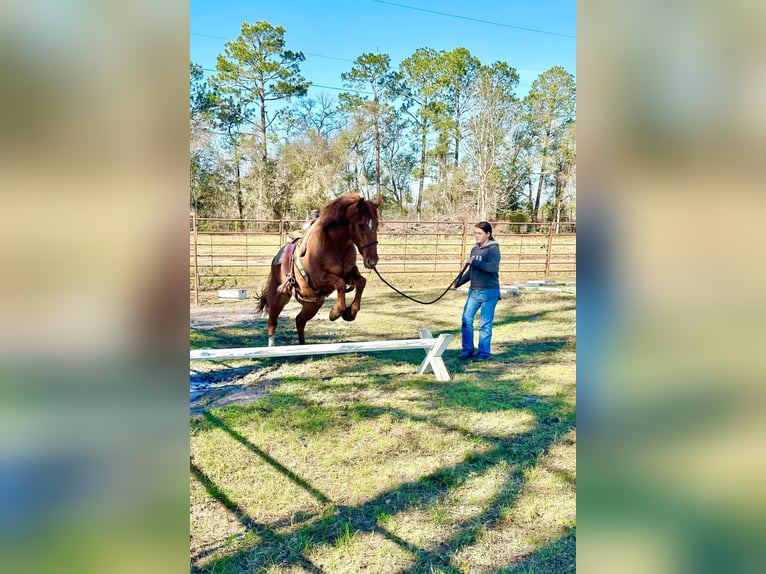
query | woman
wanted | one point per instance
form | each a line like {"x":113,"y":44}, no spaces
{"x":484,"y":293}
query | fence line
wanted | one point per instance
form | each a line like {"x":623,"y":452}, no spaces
{"x":237,"y":253}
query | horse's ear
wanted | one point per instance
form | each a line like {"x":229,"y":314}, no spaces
{"x":377,"y":201}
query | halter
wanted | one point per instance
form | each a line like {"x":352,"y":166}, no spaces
{"x":369,"y":245}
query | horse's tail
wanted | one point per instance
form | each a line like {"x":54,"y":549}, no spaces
{"x":262,"y":297}
{"x":263,"y":302}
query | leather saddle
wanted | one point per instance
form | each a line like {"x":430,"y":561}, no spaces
{"x":284,"y":257}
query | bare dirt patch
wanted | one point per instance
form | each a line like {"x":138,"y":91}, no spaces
{"x":221,"y":315}
{"x":223,"y":386}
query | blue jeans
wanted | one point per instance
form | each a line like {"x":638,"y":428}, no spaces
{"x":486,"y":300}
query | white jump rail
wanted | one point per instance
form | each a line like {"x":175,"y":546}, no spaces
{"x":432,"y":363}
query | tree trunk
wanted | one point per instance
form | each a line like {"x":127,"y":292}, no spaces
{"x":539,"y":189}
{"x":457,"y":131}
{"x":264,"y":150}
{"x":422,"y":177}
{"x":560,"y":182}
{"x":240,"y":197}
{"x":377,"y":147}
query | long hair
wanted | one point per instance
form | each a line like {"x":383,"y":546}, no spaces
{"x":486,"y":228}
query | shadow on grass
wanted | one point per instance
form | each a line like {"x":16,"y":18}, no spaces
{"x":249,"y":334}
{"x":532,"y":351}
{"x":267,"y":535}
{"x":520,"y":452}
{"x":218,"y":423}
{"x":482,"y":390}
{"x":289,"y":411}
{"x":557,"y":557}
{"x":504,"y":316}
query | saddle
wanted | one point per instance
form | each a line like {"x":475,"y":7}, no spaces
{"x":288,"y":260}
{"x":285,"y":258}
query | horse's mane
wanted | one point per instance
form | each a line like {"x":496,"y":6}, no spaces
{"x":340,"y":211}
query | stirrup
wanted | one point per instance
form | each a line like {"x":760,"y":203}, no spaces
{"x":286,"y":286}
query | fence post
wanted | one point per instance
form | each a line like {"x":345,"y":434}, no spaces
{"x":548,"y":251}
{"x":462,"y":250}
{"x":196,"y":269}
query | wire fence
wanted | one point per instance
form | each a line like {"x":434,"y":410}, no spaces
{"x":237,"y":253}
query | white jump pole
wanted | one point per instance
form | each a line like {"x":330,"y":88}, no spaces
{"x":432,"y":363}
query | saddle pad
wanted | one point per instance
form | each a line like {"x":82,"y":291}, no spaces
{"x":283,"y":257}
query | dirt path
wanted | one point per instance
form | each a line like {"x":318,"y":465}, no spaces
{"x":221,"y":385}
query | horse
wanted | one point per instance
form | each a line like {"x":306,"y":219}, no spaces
{"x":321,"y":261}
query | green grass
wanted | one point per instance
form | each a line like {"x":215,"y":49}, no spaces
{"x":352,"y":463}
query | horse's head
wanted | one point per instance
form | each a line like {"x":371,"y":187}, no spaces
{"x":363,"y":226}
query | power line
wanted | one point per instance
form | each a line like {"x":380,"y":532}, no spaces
{"x":323,"y":56}
{"x":208,"y":36}
{"x":476,"y":19}
{"x":306,"y":53}
{"x":313,"y":85}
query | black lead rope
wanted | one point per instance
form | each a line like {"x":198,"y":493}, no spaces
{"x":459,"y":275}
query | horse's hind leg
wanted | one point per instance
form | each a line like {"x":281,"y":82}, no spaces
{"x":275,"y":308}
{"x":276,"y":302}
{"x":307,"y":313}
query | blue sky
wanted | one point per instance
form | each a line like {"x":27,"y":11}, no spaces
{"x":332,"y":34}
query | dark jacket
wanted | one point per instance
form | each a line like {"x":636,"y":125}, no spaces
{"x":484,"y":271}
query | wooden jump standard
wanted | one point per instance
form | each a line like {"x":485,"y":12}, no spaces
{"x":432,"y":363}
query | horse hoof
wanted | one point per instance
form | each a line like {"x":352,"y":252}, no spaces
{"x":348,"y":315}
{"x":333,"y":316}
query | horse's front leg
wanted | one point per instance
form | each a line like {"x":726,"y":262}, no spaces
{"x":339,"y":284}
{"x":355,"y":279}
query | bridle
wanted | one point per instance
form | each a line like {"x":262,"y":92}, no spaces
{"x":370,"y":244}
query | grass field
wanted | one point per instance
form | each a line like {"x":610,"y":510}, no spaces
{"x":353,"y":463}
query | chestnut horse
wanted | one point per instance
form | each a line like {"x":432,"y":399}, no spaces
{"x":323,"y":260}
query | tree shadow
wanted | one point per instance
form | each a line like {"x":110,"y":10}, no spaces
{"x":506,"y":317}
{"x":556,"y":557}
{"x":494,"y":392}
{"x":532,"y":351}
{"x":240,"y":335}
{"x":264,"y":532}
{"x":554,"y":418}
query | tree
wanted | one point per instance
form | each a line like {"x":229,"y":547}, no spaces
{"x":370,"y":71}
{"x":308,"y":114}
{"x":460,"y":69}
{"x":565,"y":154}
{"x":230,"y":116}
{"x":489,"y":130}
{"x":312,"y":168}
{"x":207,"y":195}
{"x":549,"y":107}
{"x":397,"y":158}
{"x":255,"y":70}
{"x":422,"y":81}
{"x":258,"y":69}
